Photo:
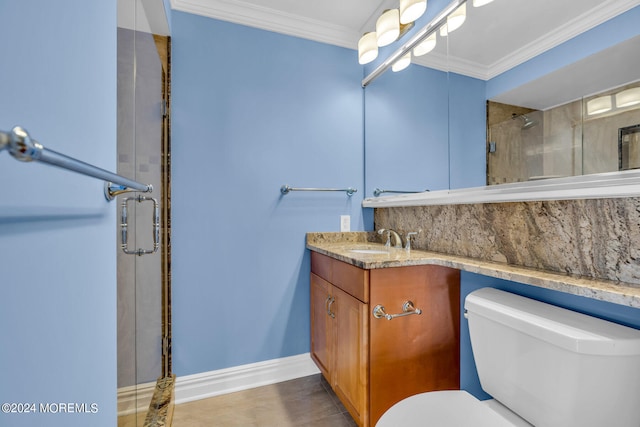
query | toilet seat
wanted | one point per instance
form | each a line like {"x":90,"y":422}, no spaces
{"x":455,"y":408}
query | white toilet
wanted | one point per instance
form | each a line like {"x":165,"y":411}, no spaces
{"x":545,"y":366}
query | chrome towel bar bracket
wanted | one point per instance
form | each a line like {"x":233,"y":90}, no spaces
{"x":407,"y":310}
{"x":22,"y":147}
{"x":285,"y":189}
{"x":111,"y":190}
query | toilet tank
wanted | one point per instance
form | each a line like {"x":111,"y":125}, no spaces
{"x":552,"y":366}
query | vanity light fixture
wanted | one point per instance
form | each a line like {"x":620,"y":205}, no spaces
{"x":388,"y":27}
{"x":418,"y":37}
{"x":628,"y":97}
{"x":454,"y":21}
{"x":426,"y":46}
{"x":599,"y":105}
{"x":410,"y":10}
{"x":367,"y":48}
{"x":478,"y":3}
{"x":402,"y":63}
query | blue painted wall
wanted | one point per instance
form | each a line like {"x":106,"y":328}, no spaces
{"x":253,"y":110}
{"x":424,"y":129}
{"x":57,"y":232}
{"x":467,"y":132}
{"x":406,"y":131}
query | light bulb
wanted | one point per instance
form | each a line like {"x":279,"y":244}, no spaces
{"x":457,"y":18}
{"x":425,"y":46}
{"x":388,"y":27}
{"x":367,"y":48}
{"x":478,"y":3}
{"x":401,"y":63}
{"x":410,"y":10}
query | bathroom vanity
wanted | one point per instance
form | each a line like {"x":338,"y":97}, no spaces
{"x":372,"y":362}
{"x":379,"y":335}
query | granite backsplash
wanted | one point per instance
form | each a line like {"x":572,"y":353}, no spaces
{"x":597,"y":238}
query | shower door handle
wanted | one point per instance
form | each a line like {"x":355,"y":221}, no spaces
{"x":124,"y":226}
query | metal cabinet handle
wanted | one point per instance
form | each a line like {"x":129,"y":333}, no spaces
{"x":329,"y":302}
{"x":407,"y":309}
{"x":155,"y":221}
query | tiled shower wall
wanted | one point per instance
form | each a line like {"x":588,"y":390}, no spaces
{"x":593,"y":238}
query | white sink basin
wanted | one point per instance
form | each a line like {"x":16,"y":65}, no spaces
{"x":369,"y":251}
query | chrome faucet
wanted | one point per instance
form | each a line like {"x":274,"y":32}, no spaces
{"x":396,"y":237}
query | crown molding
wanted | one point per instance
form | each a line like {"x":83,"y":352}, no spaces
{"x":607,"y":10}
{"x":265,"y":18}
{"x":584,"y":22}
{"x":441,"y":62}
{"x":271,"y":20}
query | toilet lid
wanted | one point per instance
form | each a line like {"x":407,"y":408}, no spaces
{"x":455,"y":408}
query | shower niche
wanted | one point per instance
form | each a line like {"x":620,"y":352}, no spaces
{"x":594,"y":134}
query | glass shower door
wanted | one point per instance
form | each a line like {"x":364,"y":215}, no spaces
{"x":143,"y":291}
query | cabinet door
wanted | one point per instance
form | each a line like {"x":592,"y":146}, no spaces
{"x":416,"y":353}
{"x":321,"y":325}
{"x":350,"y":380}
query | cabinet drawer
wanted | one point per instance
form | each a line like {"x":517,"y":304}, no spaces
{"x":349,"y":278}
{"x":321,"y":265}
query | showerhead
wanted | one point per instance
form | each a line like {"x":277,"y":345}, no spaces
{"x":526,"y":121}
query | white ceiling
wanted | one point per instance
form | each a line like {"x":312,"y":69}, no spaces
{"x":589,"y":76}
{"x":493,"y":39}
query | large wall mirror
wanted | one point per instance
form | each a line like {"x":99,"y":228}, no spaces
{"x":578,"y":120}
{"x":521,"y":92}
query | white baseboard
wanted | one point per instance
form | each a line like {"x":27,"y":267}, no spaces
{"x":135,"y":399}
{"x":213,"y":383}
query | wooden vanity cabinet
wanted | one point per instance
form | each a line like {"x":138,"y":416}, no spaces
{"x":373,"y":363}
{"x":339,"y":344}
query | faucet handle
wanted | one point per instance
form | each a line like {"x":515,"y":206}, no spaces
{"x":408,"y":238}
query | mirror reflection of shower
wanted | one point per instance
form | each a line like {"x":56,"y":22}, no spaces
{"x":516,"y":151}
{"x":527,"y":122}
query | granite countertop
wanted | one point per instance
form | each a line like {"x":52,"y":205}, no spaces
{"x":340,"y":246}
